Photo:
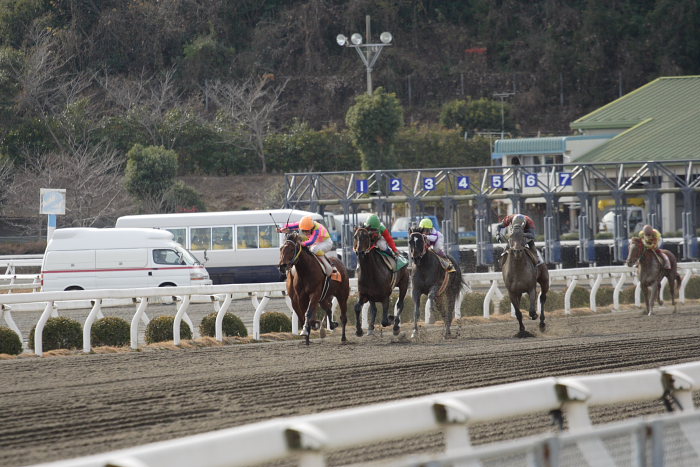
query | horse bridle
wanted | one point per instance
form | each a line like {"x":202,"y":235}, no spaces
{"x":425,"y":245}
{"x":295,"y":257}
{"x":638,"y":243}
{"x":369,"y":233}
{"x":522,"y":244}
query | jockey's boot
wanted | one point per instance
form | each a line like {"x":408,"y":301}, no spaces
{"x":535,"y":254}
{"x":327,"y":268}
{"x":446,"y":261}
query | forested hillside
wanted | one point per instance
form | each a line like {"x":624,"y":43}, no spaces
{"x":246,"y":86}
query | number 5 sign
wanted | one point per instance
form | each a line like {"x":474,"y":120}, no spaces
{"x":52,"y":201}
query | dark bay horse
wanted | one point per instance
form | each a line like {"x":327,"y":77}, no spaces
{"x":651,"y":272}
{"x":375,"y":281}
{"x":305,"y":284}
{"x":430,"y":278}
{"x":521,"y":276}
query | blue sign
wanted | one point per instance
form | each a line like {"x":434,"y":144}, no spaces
{"x":429,"y":183}
{"x":361,"y":186}
{"x":53,"y":201}
{"x":530,"y":180}
{"x":565,"y":178}
{"x":497,"y":181}
{"x":464,"y":183}
{"x":395,"y":184}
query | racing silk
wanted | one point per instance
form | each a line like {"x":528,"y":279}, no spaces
{"x":389,"y":239}
{"x":529,"y":223}
{"x":434,"y":236}
{"x":652,"y":243}
{"x":318,"y":235}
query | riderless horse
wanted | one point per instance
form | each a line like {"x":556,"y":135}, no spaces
{"x":377,"y":277}
{"x":652,"y":272}
{"x":307,"y":286}
{"x":432,"y":279}
{"x":520,"y":276}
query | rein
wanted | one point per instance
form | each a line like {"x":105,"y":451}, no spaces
{"x":372,"y":244}
{"x":425,"y":244}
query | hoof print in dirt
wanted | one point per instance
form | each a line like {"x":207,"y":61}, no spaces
{"x":522,"y":334}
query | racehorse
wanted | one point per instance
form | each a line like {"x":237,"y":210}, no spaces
{"x":430,"y":278}
{"x":375,"y":281}
{"x":651,"y":272}
{"x":305,"y":285}
{"x":521,"y":276}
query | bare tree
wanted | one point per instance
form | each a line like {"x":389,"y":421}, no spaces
{"x":152,"y":103}
{"x":249,"y":109}
{"x":92,"y":179}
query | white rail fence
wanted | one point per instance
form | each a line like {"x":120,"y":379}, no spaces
{"x":221,"y":297}
{"x":310,"y":439}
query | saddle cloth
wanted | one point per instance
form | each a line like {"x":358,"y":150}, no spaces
{"x":335,"y":275}
{"x":394,"y":265}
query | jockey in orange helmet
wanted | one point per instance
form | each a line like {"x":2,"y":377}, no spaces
{"x":318,"y":240}
{"x":651,"y":239}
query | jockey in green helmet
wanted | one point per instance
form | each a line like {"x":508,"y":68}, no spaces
{"x":386,"y":241}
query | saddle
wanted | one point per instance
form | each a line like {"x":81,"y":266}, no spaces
{"x":445,"y":263}
{"x":394,"y":264}
{"x":335,"y":275}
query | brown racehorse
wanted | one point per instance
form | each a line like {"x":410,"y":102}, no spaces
{"x":305,"y":284}
{"x":375,"y":282}
{"x":651,"y":272}
{"x":521,"y":276}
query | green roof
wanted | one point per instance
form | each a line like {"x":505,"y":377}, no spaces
{"x":662,"y":121}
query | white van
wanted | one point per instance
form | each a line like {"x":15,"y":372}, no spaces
{"x":88,"y":258}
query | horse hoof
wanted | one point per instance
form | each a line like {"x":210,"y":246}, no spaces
{"x":359,"y":332}
{"x":397,"y":331}
{"x":370,"y":332}
{"x":413,"y":334}
{"x":315,"y":325}
{"x":533,"y":316}
{"x":343,"y":339}
{"x":334,"y":324}
{"x":385,"y":323}
{"x":542,"y":326}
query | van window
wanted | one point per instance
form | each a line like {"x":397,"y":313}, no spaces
{"x":166,"y":256}
{"x":200,"y":238}
{"x":222,"y":238}
{"x":247,"y":236}
{"x":179,"y":235}
{"x":269,"y":238}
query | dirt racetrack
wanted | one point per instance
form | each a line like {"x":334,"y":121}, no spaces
{"x":61,"y":407}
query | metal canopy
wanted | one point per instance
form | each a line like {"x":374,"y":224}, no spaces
{"x":478,"y":187}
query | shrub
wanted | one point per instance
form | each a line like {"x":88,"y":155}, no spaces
{"x":275,"y":321}
{"x":473,"y":304}
{"x":111,"y":330}
{"x":692,"y":288}
{"x":59,"y":333}
{"x":10,"y":342}
{"x":231,"y":325}
{"x":627,"y":295}
{"x":604,"y":297}
{"x":160,"y":329}
{"x":580,"y":298}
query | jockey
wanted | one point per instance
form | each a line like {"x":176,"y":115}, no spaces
{"x":386,"y":241}
{"x":651,"y":239}
{"x":435,"y":240}
{"x":318,"y":240}
{"x":528,"y":229}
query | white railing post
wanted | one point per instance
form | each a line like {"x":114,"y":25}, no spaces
{"x":309,"y":442}
{"x":219,"y":324}
{"x":487,"y":298}
{"x":182,"y":310}
{"x":684,"y":283}
{"x":295,"y":318}
{"x":138,"y":316}
{"x":594,"y":291}
{"x":567,"y":295}
{"x":454,"y":416}
{"x":39,"y":330}
{"x":259,"y":310}
{"x":616,"y":292}
{"x":664,"y":281}
{"x":87,"y":327}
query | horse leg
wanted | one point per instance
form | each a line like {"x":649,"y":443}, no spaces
{"x":343,"y":304}
{"x":310,"y":314}
{"x":432,"y":295}
{"x":399,"y":310}
{"x":449,"y":304}
{"x":327,"y":306}
{"x":532,"y":295}
{"x":515,"y":301}
{"x":385,"y":311}
{"x":415,"y":294}
{"x":544,"y":288}
{"x":372,"y":317}
{"x":358,"y":320}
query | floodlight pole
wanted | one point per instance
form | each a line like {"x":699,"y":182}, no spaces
{"x":503,"y":95}
{"x":369,"y":53}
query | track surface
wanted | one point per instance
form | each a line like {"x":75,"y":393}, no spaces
{"x":62,"y":407}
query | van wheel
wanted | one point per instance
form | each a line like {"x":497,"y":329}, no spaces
{"x":73,"y":287}
{"x":167,"y":300}
{"x":167,"y":284}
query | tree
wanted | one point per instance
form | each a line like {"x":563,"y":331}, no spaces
{"x":246,"y":111}
{"x":150,"y":172}
{"x":479,"y":114}
{"x":374,"y":121}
